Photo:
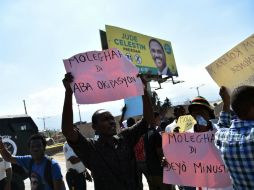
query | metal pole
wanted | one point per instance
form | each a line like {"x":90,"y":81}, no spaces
{"x":44,"y":126}
{"x":24,"y":102}
{"x":44,"y":121}
{"x":79,"y":114}
{"x":197,"y":88}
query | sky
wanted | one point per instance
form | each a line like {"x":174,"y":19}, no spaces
{"x":35,"y":36}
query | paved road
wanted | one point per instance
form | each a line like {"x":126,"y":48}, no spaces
{"x":60,"y":158}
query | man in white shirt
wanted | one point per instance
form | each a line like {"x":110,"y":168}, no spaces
{"x":76,"y":172}
{"x":5,"y":174}
{"x":178,"y":111}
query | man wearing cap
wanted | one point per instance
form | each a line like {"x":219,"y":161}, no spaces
{"x":201,"y":110}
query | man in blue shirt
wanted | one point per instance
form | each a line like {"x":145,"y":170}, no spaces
{"x":236,"y":143}
{"x":36,"y":165}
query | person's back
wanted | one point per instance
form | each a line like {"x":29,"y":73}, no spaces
{"x":76,"y":172}
{"x":237,"y":142}
{"x":153,"y":141}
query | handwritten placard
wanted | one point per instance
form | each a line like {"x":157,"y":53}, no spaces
{"x":185,"y":122}
{"x":101,"y":76}
{"x":236,"y":67}
{"x":193,"y":160}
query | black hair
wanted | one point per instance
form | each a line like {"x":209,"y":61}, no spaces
{"x":154,"y":40}
{"x":96,"y":116}
{"x":35,"y":137}
{"x":242,"y":99}
{"x":156,"y":114}
{"x":164,"y":125}
{"x":179,"y":107}
{"x":130,"y":122}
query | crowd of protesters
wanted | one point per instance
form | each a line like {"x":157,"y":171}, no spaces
{"x":117,"y":161}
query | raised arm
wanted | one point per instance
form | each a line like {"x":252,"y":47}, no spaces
{"x":225,"y":98}
{"x":122,"y":116}
{"x":5,"y":154}
{"x":67,"y":115}
{"x":225,"y":117}
{"x":137,"y":130}
{"x":147,"y":105}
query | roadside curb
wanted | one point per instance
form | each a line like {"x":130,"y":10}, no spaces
{"x":53,"y":149}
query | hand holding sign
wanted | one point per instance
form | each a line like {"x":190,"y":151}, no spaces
{"x":235,"y":68}
{"x":68,"y":79}
{"x":224,"y":94}
{"x":193,"y":160}
{"x":101,"y":76}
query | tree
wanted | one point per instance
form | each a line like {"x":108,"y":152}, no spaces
{"x":160,"y":107}
{"x":165,"y":106}
{"x":155,"y":101}
{"x":167,"y":103}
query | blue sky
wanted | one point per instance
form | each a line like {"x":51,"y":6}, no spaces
{"x":35,"y":36}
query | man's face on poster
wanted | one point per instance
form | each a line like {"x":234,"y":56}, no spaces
{"x":158,"y":55}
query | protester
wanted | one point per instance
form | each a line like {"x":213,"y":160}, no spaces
{"x":154,"y":156}
{"x":5,"y":174}
{"x":172,"y":127}
{"x":111,"y":157}
{"x":76,"y":172}
{"x":201,"y":110}
{"x":236,"y":143}
{"x":122,"y":117}
{"x":157,"y":119}
{"x":139,"y":150}
{"x":44,"y":173}
{"x":163,"y":125}
{"x":141,"y":163}
{"x":130,"y":122}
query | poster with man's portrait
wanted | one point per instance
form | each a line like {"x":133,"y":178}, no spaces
{"x":151,"y":55}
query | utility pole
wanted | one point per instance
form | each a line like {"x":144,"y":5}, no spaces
{"x":197,"y":88}
{"x":79,"y":114}
{"x":24,"y":102}
{"x":44,"y":121}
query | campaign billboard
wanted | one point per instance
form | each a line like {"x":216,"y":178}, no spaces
{"x":151,"y":55}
